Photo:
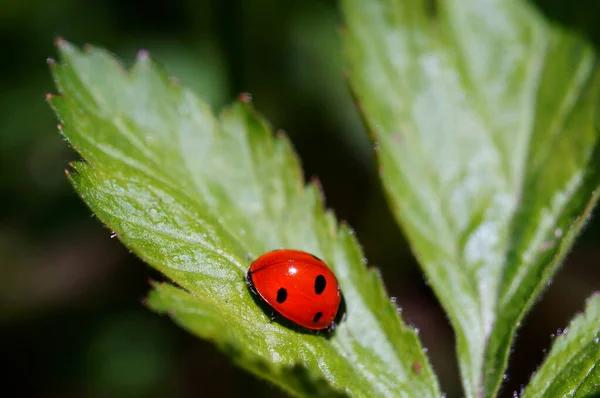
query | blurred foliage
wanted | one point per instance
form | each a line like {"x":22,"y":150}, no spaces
{"x":471,"y":108}
{"x":69,"y":299}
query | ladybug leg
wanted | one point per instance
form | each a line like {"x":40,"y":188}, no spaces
{"x":273,"y":316}
{"x":250,"y":284}
{"x":344,"y":316}
{"x":331,"y":327}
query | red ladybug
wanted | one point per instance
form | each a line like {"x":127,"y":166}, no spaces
{"x":297,"y":285}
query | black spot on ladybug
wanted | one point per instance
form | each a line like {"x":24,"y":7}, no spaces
{"x":318,"y":316}
{"x":316,"y":258}
{"x":281,"y":295}
{"x":320,"y":283}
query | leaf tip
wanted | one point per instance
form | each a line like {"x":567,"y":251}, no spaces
{"x":375,"y":271}
{"x":594,"y":296}
{"x":64,"y":47}
{"x":345,"y":228}
{"x":156,"y":285}
{"x":88,"y":48}
{"x":316,"y":183}
{"x":60,"y":42}
{"x":245,"y":97}
{"x":143,"y":55}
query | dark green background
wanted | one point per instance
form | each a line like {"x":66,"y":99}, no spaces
{"x":71,"y":319}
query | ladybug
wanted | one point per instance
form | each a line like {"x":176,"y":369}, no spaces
{"x":297,"y":285}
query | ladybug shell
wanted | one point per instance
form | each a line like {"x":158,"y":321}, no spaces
{"x":297,"y":285}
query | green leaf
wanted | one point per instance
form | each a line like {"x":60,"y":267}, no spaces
{"x":198,"y":197}
{"x":572,"y":368}
{"x":483,"y":113}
